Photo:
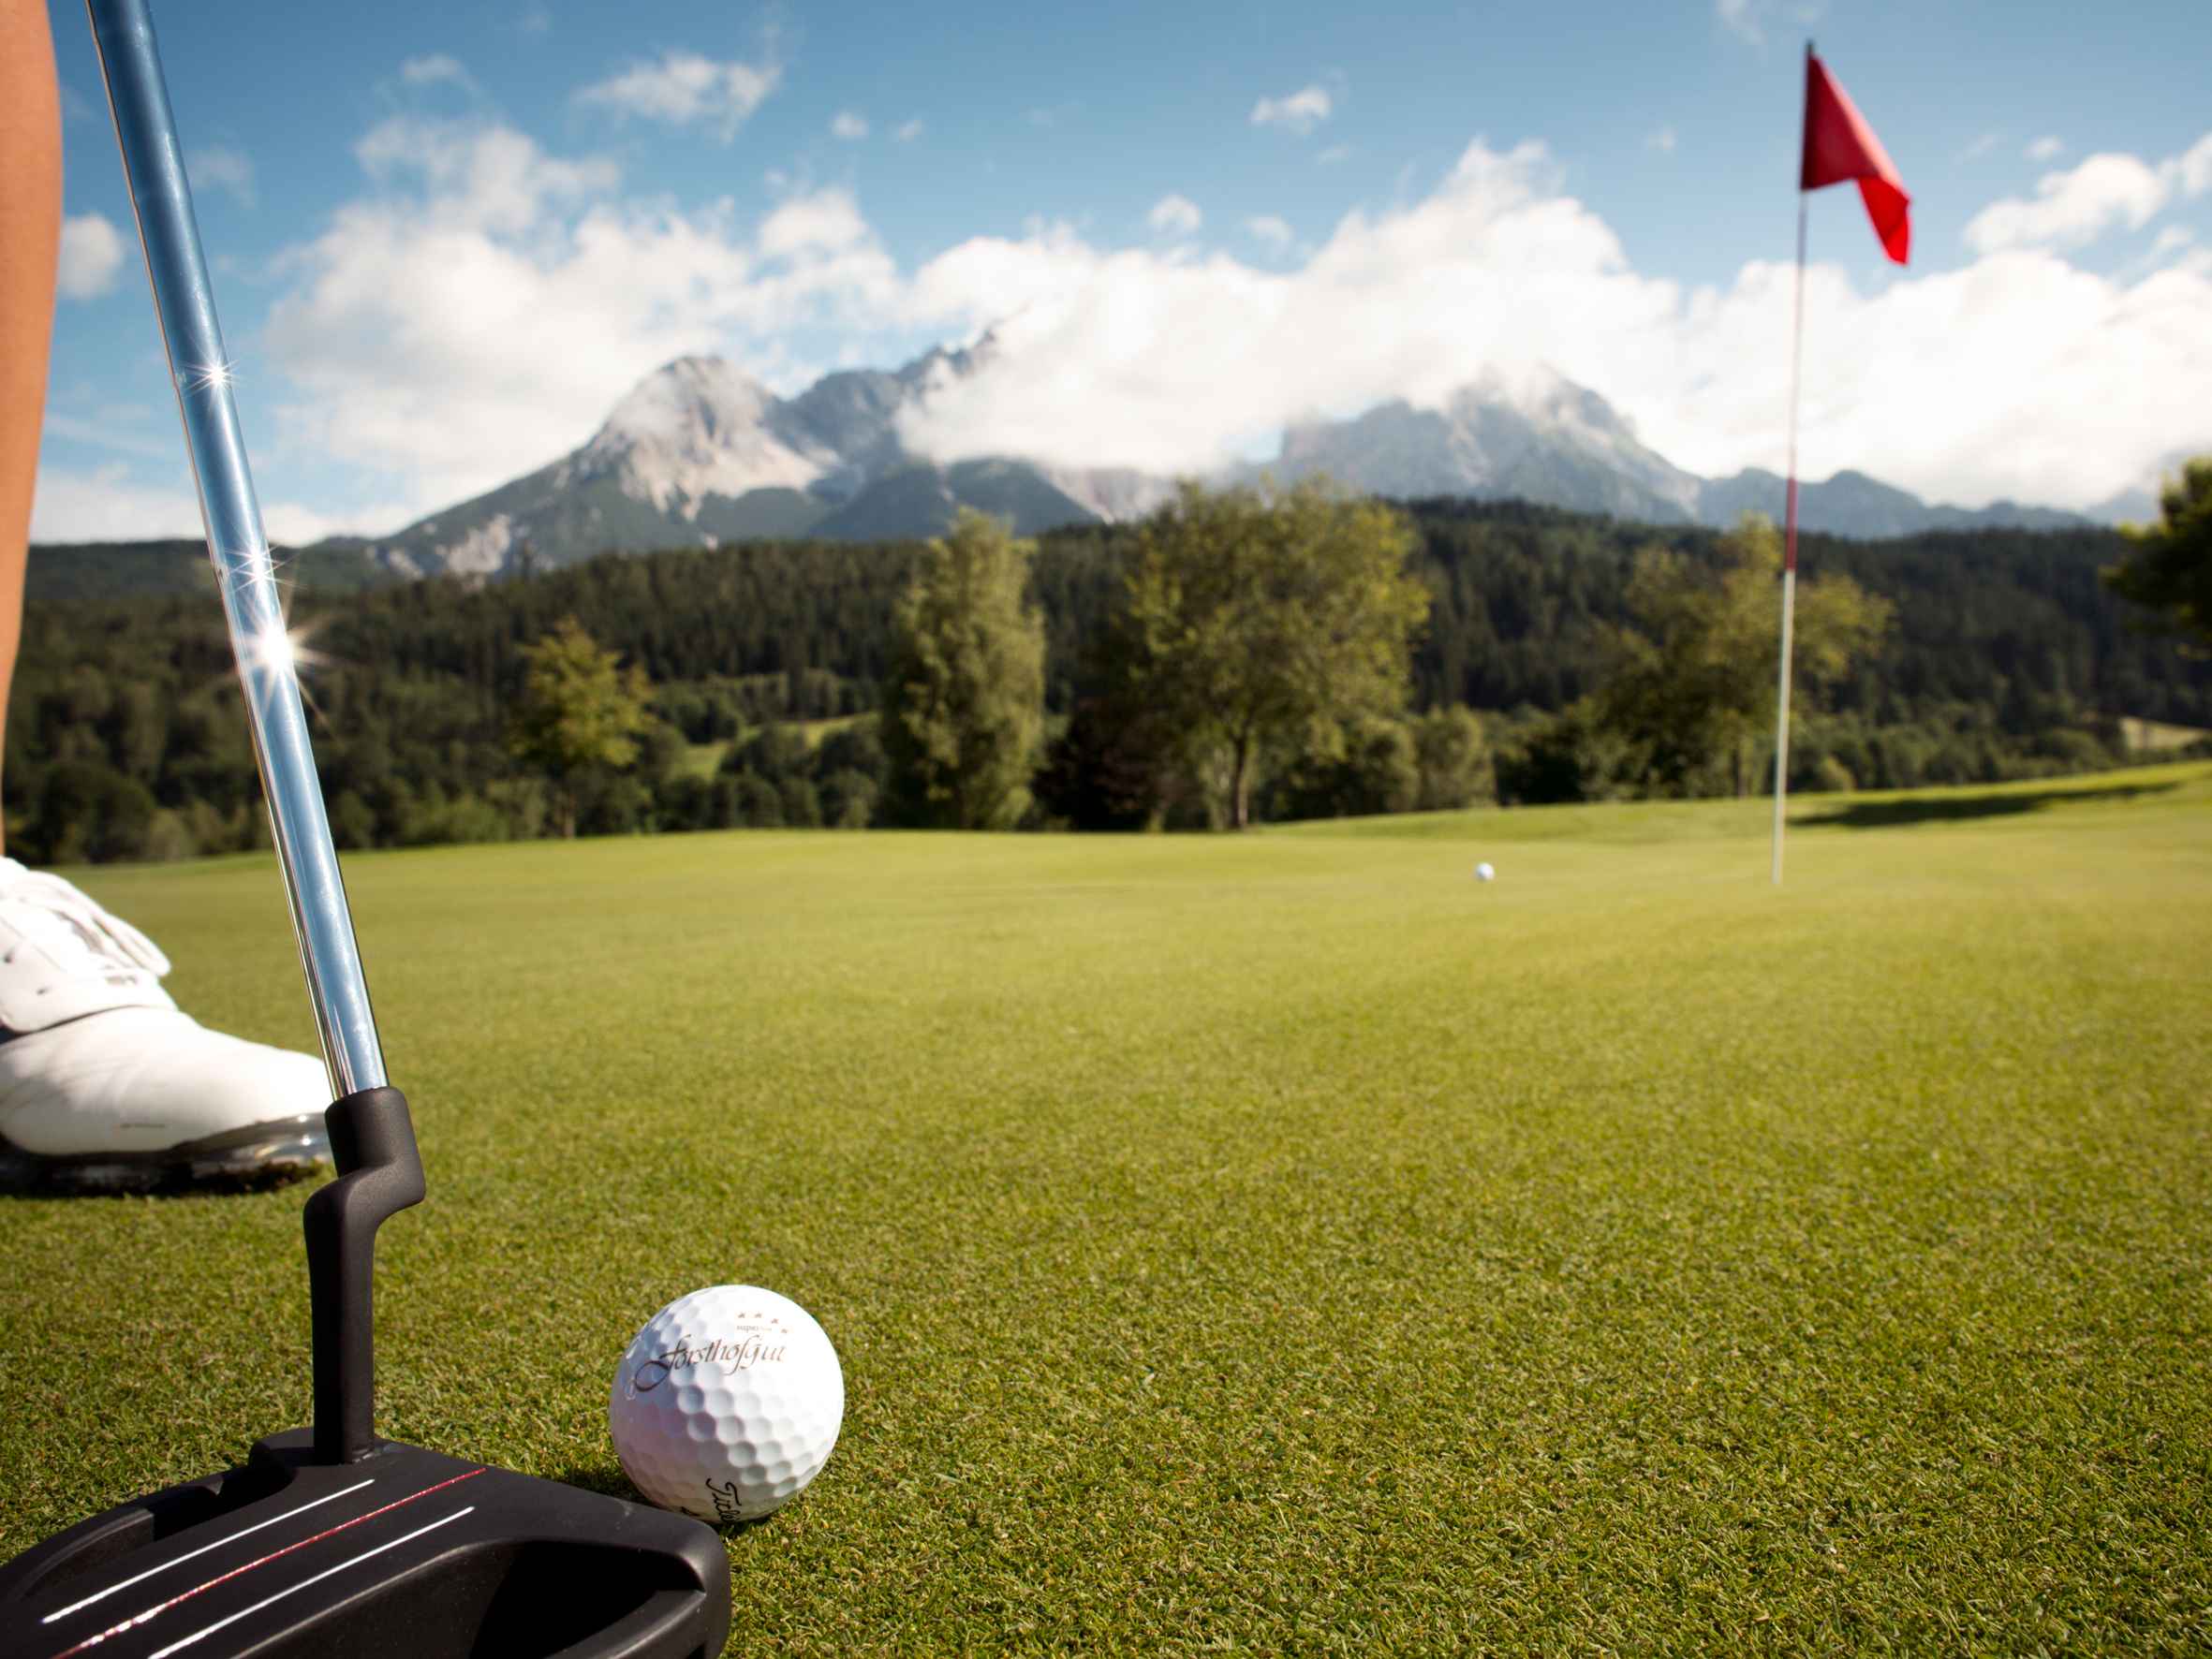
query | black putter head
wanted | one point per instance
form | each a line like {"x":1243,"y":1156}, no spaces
{"x":409,"y":1554}
{"x":334,"y":1544}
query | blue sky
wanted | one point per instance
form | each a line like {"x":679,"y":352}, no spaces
{"x":449,"y":238}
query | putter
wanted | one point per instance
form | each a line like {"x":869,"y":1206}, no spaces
{"x":330,"y":1541}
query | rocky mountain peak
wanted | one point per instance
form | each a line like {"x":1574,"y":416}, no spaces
{"x":695,"y":428}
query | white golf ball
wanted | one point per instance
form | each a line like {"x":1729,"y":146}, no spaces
{"x":727,"y":1404}
{"x":1484,"y":872}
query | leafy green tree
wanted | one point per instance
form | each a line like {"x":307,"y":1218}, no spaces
{"x":963,"y":689}
{"x":1575,"y":755}
{"x":2171,"y":570}
{"x":1694,"y":685}
{"x":580,"y":709}
{"x":1256,"y":614}
{"x":1453,"y":755}
{"x":1368,"y":765}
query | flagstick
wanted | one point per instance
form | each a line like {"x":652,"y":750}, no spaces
{"x":1789,"y":553}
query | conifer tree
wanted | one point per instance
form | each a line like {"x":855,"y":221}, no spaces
{"x":2171,"y":570}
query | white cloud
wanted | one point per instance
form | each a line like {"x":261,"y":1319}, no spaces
{"x":103,"y":505}
{"x":1740,"y":17}
{"x":92,"y":253}
{"x":218,"y":164}
{"x":1300,"y":113}
{"x":429,"y":71}
{"x":1275,"y":234}
{"x":112,"y":429}
{"x":1662,"y":141}
{"x":907,"y":132}
{"x":2046,"y":149}
{"x":2081,"y":204}
{"x":1747,"y":19}
{"x":684,"y":88}
{"x":1175,"y":215}
{"x":479,"y":310}
{"x":479,"y":313}
{"x":2018,"y":377}
{"x":848,"y":125}
{"x":288,"y":525}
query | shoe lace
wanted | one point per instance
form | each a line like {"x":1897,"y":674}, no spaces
{"x":97,"y":939}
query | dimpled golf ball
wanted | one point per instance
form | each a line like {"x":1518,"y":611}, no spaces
{"x":1484,"y":872}
{"x":727,"y":1404}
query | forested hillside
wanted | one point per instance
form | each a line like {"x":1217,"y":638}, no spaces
{"x":127,"y":737}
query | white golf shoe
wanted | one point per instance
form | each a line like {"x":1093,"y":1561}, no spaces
{"x":104,"y":1086}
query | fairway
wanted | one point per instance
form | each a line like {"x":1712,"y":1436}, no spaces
{"x":1282,"y":1241}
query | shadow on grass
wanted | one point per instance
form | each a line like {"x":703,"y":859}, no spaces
{"x":25,"y":1179}
{"x":1889,"y":814}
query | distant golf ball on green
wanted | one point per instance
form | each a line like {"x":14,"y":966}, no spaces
{"x":1484,"y":873}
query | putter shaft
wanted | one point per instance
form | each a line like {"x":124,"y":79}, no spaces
{"x":154,"y":162}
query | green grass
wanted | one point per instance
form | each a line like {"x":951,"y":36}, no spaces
{"x":1278,"y":1242}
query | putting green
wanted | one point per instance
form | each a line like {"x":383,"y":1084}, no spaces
{"x":1280,"y":1242}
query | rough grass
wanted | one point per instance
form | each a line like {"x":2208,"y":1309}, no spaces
{"x":1281,"y":1243}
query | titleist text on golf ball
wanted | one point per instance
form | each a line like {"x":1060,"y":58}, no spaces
{"x":727,"y":1404}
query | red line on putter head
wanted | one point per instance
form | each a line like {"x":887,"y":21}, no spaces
{"x":185,"y":1595}
{"x":78,"y":1607}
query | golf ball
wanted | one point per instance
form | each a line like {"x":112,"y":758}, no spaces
{"x":1484,"y":872}
{"x":727,"y":1404}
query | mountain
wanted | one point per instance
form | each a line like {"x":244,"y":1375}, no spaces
{"x":698,"y":454}
{"x":1852,"y":504}
{"x":1544,"y":439}
{"x":1541,"y":437}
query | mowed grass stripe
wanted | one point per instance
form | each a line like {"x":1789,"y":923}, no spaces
{"x":1284,"y":1240}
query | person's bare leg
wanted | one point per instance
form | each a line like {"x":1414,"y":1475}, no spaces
{"x":30,"y":249}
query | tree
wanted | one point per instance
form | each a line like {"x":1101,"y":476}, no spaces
{"x":1576,"y":755}
{"x":1696,"y":683}
{"x":1454,"y":754}
{"x":2171,"y":571}
{"x":964,"y":688}
{"x":1109,"y":769}
{"x":1370,"y":765}
{"x":580,"y":709}
{"x":1256,"y":614}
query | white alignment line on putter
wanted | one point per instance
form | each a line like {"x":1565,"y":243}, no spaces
{"x":185,"y":1595}
{"x":185,"y":1642}
{"x":78,"y":1607}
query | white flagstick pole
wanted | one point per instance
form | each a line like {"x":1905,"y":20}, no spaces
{"x":1789,"y":556}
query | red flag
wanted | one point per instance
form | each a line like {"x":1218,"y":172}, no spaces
{"x":1840,"y":145}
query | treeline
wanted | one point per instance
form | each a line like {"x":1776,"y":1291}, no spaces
{"x":127,"y":737}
